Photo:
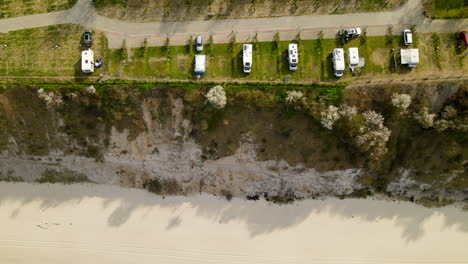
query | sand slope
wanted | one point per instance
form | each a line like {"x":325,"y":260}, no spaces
{"x":105,"y":224}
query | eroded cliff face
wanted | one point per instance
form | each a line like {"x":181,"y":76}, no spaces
{"x":169,"y":141}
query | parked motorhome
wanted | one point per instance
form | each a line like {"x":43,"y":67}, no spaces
{"x":338,"y":62}
{"x":87,"y":61}
{"x":410,"y":57}
{"x":293,"y":57}
{"x":247,"y":58}
{"x":200,"y":65}
{"x":353,"y":57}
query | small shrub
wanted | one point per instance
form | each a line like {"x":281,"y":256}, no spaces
{"x":66,"y":176}
{"x":163,"y":186}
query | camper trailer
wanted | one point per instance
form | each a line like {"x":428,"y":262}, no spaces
{"x":293,"y":57}
{"x":410,"y":57}
{"x":338,"y":62}
{"x":87,"y":61}
{"x":200,"y":61}
{"x":247,"y":58}
{"x":353,"y":57}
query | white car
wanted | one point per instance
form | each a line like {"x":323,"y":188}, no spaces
{"x":199,"y":43}
{"x":407,"y":37}
{"x":353,"y":32}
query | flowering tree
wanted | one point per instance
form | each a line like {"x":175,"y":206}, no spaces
{"x":401,"y":101}
{"x":50,"y":98}
{"x":217,"y":97}
{"x":425,"y":118}
{"x":373,"y":135}
{"x":294,"y":96}
{"x":329,"y":117}
{"x":90,"y":90}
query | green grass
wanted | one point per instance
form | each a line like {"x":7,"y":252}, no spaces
{"x":33,"y":52}
{"x":13,"y":8}
{"x":447,"y":8}
{"x":53,"y":50}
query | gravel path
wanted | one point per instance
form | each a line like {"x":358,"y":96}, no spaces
{"x":376,"y":24}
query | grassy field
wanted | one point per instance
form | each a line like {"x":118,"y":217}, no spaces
{"x":224,"y":61}
{"x":55,"y":51}
{"x":182,"y":10}
{"x":447,"y":8}
{"x":13,"y":8}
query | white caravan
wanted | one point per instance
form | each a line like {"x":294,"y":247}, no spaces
{"x":247,"y":58}
{"x":338,"y":61}
{"x":410,"y":57}
{"x":353,"y":57}
{"x":293,"y":57}
{"x":87,"y":61}
{"x":200,"y":61}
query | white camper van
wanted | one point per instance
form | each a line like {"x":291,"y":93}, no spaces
{"x":87,"y":61}
{"x":200,"y":61}
{"x":247,"y":58}
{"x":293,"y":57}
{"x":353,"y":57}
{"x":410,"y":57}
{"x":338,"y":62}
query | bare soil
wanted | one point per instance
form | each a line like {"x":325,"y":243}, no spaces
{"x":183,"y":10}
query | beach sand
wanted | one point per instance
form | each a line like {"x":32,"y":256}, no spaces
{"x":88,"y":223}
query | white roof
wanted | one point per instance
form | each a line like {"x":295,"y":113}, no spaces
{"x":409,"y":37}
{"x":87,"y":61}
{"x":247,"y":49}
{"x":338,"y":59}
{"x":200,"y":63}
{"x":409,"y":56}
{"x":353,"y":54}
{"x":292,"y":50}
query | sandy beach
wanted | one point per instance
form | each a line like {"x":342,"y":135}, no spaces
{"x":90,"y":223}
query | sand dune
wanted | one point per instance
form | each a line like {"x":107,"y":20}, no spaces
{"x":105,"y":224}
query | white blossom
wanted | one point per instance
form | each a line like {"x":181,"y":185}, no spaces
{"x":50,"y":98}
{"x":347,"y":111}
{"x":329,"y":117}
{"x":294,"y":96}
{"x":402,"y":101}
{"x":449,"y":112}
{"x":90,"y":90}
{"x":217,"y":97}
{"x":425,"y":118}
{"x":373,"y":135}
{"x":373,"y":119}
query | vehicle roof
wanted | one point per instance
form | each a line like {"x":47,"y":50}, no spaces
{"x":465,"y":34}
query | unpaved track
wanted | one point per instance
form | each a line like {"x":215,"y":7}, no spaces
{"x":376,"y":24}
{"x":105,"y":224}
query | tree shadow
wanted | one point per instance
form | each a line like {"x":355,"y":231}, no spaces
{"x":260,"y":217}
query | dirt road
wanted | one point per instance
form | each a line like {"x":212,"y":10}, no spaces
{"x":222,"y":30}
{"x":105,"y":224}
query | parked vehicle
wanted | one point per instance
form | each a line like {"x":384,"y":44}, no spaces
{"x":247,"y":58}
{"x":293,"y":57}
{"x":87,"y":61}
{"x":407,"y":37}
{"x":464,"y":37}
{"x":199,"y":43}
{"x":338,"y":62}
{"x":410,"y":57}
{"x":353,"y":57}
{"x":88,"y":38}
{"x":200,"y":65}
{"x":352,"y":33}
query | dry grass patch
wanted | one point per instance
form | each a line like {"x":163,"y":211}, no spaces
{"x":13,"y":8}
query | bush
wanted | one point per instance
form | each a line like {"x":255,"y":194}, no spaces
{"x":163,"y":186}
